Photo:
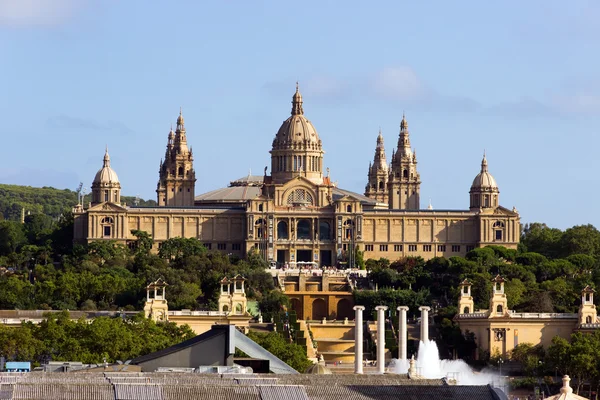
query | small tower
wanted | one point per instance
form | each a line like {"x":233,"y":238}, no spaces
{"x":177,"y":178}
{"x":404,"y":182}
{"x":156,"y":306}
{"x":233,"y":296}
{"x":498,"y":301}
{"x":106,"y":186}
{"x":484,"y":190}
{"x":465,"y":300}
{"x":378,"y":174}
{"x":587,"y":309}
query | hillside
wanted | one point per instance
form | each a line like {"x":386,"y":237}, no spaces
{"x":45,"y":200}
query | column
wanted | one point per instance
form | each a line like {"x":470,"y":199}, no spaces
{"x":381,"y":338}
{"x":402,"y":333}
{"x":424,"y":323}
{"x":358,"y":339}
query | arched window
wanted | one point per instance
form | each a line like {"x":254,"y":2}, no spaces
{"x":225,"y":308}
{"x":349,"y":228}
{"x":405,"y":173}
{"x":588,"y":319}
{"x":499,"y":309}
{"x":465,"y":289}
{"x":303,"y":229}
{"x":260,"y":226}
{"x":381,"y":185}
{"x":300,"y":197}
{"x":498,"y":286}
{"x":180,"y":172}
{"x":107,"y":226}
{"x":466,"y":310}
{"x":324,"y":230}
{"x":349,"y":208}
{"x":239,"y":309}
{"x":282,"y":230}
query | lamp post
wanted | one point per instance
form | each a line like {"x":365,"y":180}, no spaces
{"x":500,"y":362}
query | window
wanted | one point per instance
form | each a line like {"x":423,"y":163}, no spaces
{"x":107,"y":231}
{"x":499,"y":309}
{"x":383,"y":247}
{"x":426,"y":247}
{"x":588,"y":319}
{"x":260,"y":207}
{"x":397,"y":247}
{"x":282,"y":230}
{"x":368,"y":247}
{"x":221,"y":246}
{"x":324,"y":230}
{"x":455,"y":248}
{"x":300,"y":197}
{"x":465,"y":289}
{"x":188,"y":190}
{"x":180,"y":189}
{"x":208,"y":246}
{"x":236,"y":246}
{"x":106,"y":195}
{"x":349,"y":208}
{"x":344,"y":247}
{"x":412,"y":247}
{"x":470,"y":248}
{"x":107,"y":220}
{"x":441,"y":247}
{"x":303,"y":229}
{"x":466,"y":310}
{"x":498,"y":234}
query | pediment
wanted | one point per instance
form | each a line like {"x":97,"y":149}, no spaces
{"x":505,"y":211}
{"x":300,"y":182}
{"x":107,"y":207}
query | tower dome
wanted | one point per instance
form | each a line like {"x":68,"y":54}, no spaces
{"x":106,"y":175}
{"x":484,"y":189}
{"x":106,"y":186}
{"x":297,"y":149}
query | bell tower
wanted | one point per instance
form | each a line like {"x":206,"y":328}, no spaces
{"x":156,"y":306}
{"x":465,"y":300}
{"x":404,"y":184}
{"x":378,"y":174}
{"x":498,"y":302}
{"x":587,"y":309}
{"x":177,"y":178}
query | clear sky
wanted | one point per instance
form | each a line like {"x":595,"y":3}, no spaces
{"x":519,"y":79}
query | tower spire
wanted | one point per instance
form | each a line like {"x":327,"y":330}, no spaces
{"x":297,"y":102}
{"x":106,"y":161}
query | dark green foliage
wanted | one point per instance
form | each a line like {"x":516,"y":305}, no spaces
{"x":58,"y":338}
{"x":292,"y":354}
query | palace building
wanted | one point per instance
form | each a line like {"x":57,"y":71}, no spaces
{"x":295,"y":212}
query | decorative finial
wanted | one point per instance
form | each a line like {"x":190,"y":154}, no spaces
{"x":180,"y":110}
{"x":566,"y":388}
{"x":328,"y":172}
{"x":297,"y":86}
{"x":297,"y":102}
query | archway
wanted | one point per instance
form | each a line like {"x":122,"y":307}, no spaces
{"x":466,"y":310}
{"x":344,"y":309}
{"x":303,"y":229}
{"x":319,"y":309}
{"x":297,"y":307}
{"x":282,"y":230}
{"x":239,"y":309}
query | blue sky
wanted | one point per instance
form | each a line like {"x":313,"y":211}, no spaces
{"x":518,"y":79}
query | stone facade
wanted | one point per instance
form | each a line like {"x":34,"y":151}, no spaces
{"x":499,"y":330}
{"x":297,"y":213}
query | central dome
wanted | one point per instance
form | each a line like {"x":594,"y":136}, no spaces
{"x":297,"y":131}
{"x":297,"y":149}
{"x":106,"y":175}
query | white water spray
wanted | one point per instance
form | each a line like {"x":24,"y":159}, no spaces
{"x":430,"y":366}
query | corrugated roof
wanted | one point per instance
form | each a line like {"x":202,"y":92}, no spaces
{"x":279,"y":392}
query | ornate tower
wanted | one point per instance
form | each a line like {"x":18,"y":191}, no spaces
{"x":378,"y":174}
{"x":465,"y":300}
{"x":404,"y":184}
{"x":297,"y":149}
{"x":587,"y":309}
{"x":498,"y":301}
{"x":177,"y":178}
{"x":106,"y":186}
{"x":484,"y":190}
{"x":156,"y":306}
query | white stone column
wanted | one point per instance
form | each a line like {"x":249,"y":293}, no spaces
{"x":402,"y":333}
{"x":424,"y":323}
{"x":358,"y":339}
{"x":381,"y":338}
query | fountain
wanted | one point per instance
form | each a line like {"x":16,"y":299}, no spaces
{"x":427,"y":365}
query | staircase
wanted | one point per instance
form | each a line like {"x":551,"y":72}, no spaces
{"x":335,"y":341}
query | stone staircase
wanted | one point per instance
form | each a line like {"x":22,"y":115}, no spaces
{"x":335,"y":340}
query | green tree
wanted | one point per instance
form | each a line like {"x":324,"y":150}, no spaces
{"x":290,"y":353}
